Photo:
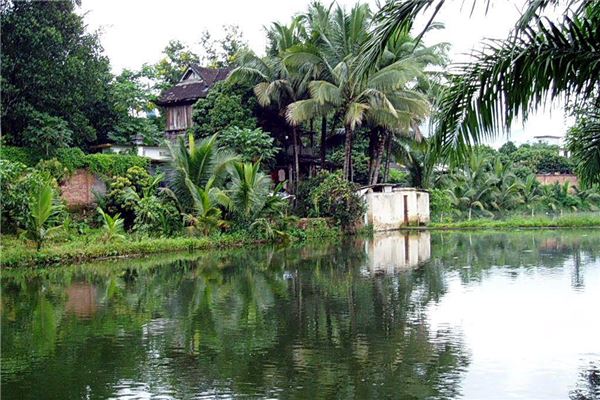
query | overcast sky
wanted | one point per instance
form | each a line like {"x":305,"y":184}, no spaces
{"x":135,"y":32}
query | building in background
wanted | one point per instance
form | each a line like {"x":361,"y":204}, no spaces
{"x":176,"y":103}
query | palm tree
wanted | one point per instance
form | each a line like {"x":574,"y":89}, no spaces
{"x":530,"y":193}
{"x":382,"y":100}
{"x":541,"y":58}
{"x":199,"y":170}
{"x":274,"y":83}
{"x":42,"y":209}
{"x":197,"y":165}
{"x":583,"y":142}
{"x":249,"y":190}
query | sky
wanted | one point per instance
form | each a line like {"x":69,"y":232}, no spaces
{"x":134,"y":32}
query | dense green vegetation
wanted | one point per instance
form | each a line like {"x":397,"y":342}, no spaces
{"x":310,"y":106}
{"x":491,"y":184}
{"x":544,"y":57}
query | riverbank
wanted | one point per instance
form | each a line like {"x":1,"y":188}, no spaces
{"x":565,"y":221}
{"x":16,"y":252}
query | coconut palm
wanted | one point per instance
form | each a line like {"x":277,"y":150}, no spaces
{"x":274,"y":83}
{"x":42,"y":209}
{"x":530,"y":193}
{"x":199,"y":172}
{"x":540,"y":59}
{"x":197,"y":165}
{"x":383,"y":100}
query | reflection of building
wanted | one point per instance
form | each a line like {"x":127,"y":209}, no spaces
{"x":390,"y":207}
{"x":397,"y":251}
{"x":81,"y":299}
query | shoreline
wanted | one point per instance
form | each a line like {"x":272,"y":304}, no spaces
{"x":23,"y":255}
{"x":18,"y":254}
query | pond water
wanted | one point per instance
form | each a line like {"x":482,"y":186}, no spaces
{"x":408,"y":316}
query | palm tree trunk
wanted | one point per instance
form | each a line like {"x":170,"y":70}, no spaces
{"x":387,"y":159}
{"x":348,"y":153}
{"x":296,"y":171}
{"x":378,"y":157}
{"x":323,"y":139}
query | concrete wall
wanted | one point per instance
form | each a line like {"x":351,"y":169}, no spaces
{"x":78,"y":190}
{"x":386,"y":210}
{"x":396,"y":252}
{"x":154,"y":153}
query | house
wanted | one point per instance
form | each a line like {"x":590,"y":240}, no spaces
{"x":177,"y":102}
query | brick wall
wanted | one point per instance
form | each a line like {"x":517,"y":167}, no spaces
{"x":78,"y":190}
{"x":560,"y":179}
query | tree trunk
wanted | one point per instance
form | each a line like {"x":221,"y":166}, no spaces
{"x":387,"y":159}
{"x":373,"y":142}
{"x":348,"y":153}
{"x":379,"y":156}
{"x":323,"y":139}
{"x":296,"y":169}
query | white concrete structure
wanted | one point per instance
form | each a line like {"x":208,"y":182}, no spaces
{"x":154,"y":153}
{"x":390,"y":207}
{"x":396,"y":252}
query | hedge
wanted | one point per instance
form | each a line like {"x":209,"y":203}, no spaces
{"x":74,"y":158}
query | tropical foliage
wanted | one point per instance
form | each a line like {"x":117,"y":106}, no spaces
{"x":43,"y":208}
{"x":541,"y":59}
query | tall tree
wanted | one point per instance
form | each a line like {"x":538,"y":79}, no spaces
{"x":541,"y":59}
{"x":52,"y":69}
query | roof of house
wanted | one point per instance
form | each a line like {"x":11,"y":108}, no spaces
{"x":195,"y":83}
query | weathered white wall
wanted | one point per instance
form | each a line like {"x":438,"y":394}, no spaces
{"x":396,"y":252}
{"x":154,"y":153}
{"x":385,"y":210}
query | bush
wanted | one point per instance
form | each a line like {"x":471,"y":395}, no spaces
{"x":72,"y":158}
{"x":54,"y":168}
{"x":108,"y":165}
{"x":399,"y":177}
{"x":18,"y":184}
{"x":250,"y":144}
{"x":304,"y":204}
{"x":440,"y":204}
{"x":24,"y":155}
{"x":336,"y":198}
{"x":155,"y":216}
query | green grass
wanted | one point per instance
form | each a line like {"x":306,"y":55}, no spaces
{"x":16,"y":252}
{"x":565,"y":221}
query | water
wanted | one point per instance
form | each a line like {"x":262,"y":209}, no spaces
{"x":406,"y":316}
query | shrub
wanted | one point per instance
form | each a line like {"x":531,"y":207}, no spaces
{"x":250,"y":144}
{"x":440,"y":204}
{"x":72,"y":158}
{"x":24,"y":155}
{"x":398,"y":177}
{"x":54,"y":168}
{"x":18,"y":185}
{"x":304,"y":204}
{"x":108,"y":165}
{"x":335,"y":197}
{"x":155,"y":216}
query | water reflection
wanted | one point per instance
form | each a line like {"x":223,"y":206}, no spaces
{"x":319,"y":321}
{"x":390,"y":252}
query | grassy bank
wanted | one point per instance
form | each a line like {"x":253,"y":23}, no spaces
{"x":16,"y":252}
{"x":565,"y":221}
